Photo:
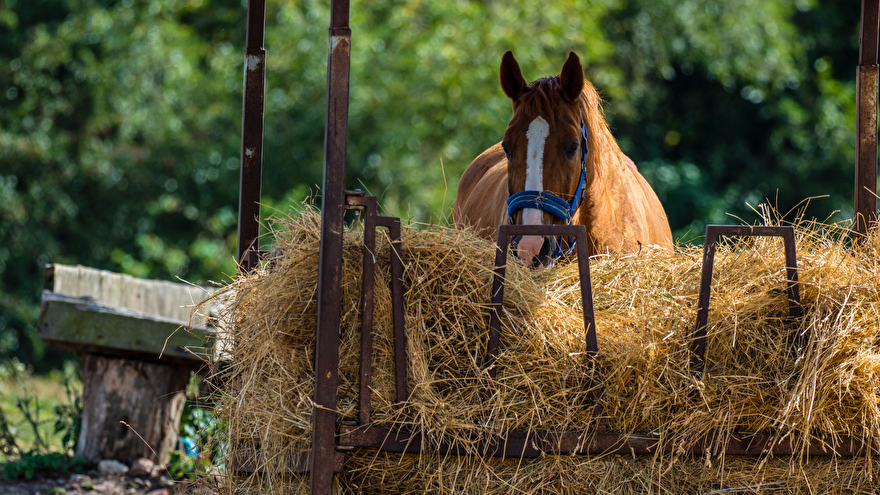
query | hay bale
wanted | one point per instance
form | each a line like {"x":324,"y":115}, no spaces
{"x":645,"y":310}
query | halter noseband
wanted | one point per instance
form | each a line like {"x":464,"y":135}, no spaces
{"x":544,"y":201}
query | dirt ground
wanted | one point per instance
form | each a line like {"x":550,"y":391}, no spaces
{"x":94,"y":483}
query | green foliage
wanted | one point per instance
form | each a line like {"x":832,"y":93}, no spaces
{"x":117,"y":128}
{"x":37,"y":415}
{"x":184,"y":467}
{"x":8,"y":444}
{"x":120,"y":120}
{"x":199,"y":425}
{"x":730,"y":103}
{"x":68,"y":417}
{"x":32,"y":463}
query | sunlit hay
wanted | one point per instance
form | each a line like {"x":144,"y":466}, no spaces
{"x":369,"y":472}
{"x":645,"y":307}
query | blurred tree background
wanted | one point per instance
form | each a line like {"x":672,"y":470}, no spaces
{"x":120,"y":120}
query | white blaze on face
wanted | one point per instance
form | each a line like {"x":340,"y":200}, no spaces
{"x":536,"y":135}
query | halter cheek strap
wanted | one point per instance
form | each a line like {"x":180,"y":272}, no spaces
{"x":544,"y":201}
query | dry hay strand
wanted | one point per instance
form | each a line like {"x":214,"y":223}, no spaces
{"x":645,"y":307}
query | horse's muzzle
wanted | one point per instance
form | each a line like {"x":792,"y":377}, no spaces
{"x":543,"y":256}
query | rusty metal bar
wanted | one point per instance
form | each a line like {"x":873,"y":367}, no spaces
{"x":368,"y":205}
{"x":537,"y":444}
{"x":866,"y":119}
{"x":356,"y":200}
{"x":330,"y":257}
{"x":698,"y":345}
{"x":252,"y":133}
{"x":400,"y":387}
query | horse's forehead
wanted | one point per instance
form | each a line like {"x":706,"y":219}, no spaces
{"x":538,"y":129}
{"x":555,"y":122}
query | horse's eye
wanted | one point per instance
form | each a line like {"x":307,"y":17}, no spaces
{"x":506,"y":149}
{"x":571,"y":151}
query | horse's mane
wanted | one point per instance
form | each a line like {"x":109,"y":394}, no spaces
{"x":543,"y":97}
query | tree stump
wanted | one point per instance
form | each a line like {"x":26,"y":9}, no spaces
{"x":147,"y":396}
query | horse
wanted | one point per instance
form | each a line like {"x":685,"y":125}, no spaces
{"x":559,"y":164}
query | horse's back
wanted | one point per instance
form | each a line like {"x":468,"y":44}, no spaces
{"x":480,"y":202}
{"x":639,"y":219}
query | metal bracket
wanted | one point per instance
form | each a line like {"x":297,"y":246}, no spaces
{"x":579,"y":232}
{"x":698,"y":345}
{"x":355,"y":200}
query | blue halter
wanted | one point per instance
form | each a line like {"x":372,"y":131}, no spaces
{"x":544,"y":201}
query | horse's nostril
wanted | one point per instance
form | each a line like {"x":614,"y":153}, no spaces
{"x":543,"y":257}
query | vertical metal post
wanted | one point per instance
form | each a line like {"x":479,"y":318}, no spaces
{"x":401,"y":392}
{"x":698,"y":345}
{"x":866,"y":119}
{"x":252,"y":133}
{"x":330,"y":258}
{"x":357,"y":201}
{"x":582,"y":248}
{"x":369,"y":276}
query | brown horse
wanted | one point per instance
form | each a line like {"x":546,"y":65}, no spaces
{"x":559,"y":163}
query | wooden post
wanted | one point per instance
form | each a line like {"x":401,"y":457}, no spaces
{"x":148,"y":397}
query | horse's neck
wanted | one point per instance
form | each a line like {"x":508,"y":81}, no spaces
{"x":601,"y":208}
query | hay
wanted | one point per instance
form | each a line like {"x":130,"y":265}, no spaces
{"x":645,"y":310}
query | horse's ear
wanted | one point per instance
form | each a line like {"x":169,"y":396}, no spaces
{"x":511,"y":78}
{"x":571,"y":80}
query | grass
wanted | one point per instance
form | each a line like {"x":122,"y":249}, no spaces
{"x":28,"y":400}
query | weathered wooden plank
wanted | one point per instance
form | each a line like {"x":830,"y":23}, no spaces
{"x":111,"y":292}
{"x":170,"y":301}
{"x":89,"y":283}
{"x":82,"y":323}
{"x":163,"y":298}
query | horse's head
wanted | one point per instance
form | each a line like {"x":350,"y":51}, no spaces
{"x":546,"y":149}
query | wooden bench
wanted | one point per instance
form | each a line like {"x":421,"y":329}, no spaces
{"x":138,"y":347}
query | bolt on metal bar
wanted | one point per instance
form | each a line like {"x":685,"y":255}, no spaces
{"x":866,"y":119}
{"x":698,"y":344}
{"x":330,"y":254}
{"x":579,"y":232}
{"x":252,"y":134}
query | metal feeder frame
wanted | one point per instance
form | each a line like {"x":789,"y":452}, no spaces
{"x":331,"y":437}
